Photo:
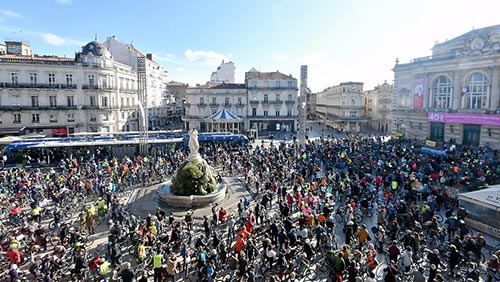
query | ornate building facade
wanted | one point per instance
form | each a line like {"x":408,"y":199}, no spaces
{"x":341,"y":106}
{"x":58,"y":96}
{"x":272,"y":101}
{"x":205,"y":100}
{"x":378,"y":106}
{"x":453,"y":94}
{"x":158,"y":105}
{"x":266,"y":102}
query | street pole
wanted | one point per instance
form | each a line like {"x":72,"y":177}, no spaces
{"x":302,"y":123}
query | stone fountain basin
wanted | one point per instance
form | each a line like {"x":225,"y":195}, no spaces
{"x":191,"y":201}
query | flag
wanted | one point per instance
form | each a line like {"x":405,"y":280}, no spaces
{"x":464,"y":91}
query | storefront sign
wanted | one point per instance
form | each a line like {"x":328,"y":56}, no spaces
{"x":481,"y":119}
{"x":430,"y":143}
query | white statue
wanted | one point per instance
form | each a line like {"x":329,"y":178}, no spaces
{"x":193,"y":144}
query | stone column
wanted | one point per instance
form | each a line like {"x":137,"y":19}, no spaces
{"x":457,"y":90}
{"x":495,"y":89}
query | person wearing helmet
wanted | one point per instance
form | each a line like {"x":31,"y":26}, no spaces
{"x":80,"y":256}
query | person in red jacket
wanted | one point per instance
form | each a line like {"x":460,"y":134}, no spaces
{"x":14,"y":256}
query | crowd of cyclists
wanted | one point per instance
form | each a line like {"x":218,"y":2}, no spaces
{"x":309,"y":216}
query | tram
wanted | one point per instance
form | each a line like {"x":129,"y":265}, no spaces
{"x":47,"y":151}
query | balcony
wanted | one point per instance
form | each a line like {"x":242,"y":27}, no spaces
{"x":35,"y":108}
{"x":201,"y":105}
{"x":30,"y":85}
{"x":106,"y":88}
{"x":90,"y":86}
{"x":290,"y":102}
{"x":272,"y":88}
{"x":276,"y":102}
{"x":67,"y":86}
{"x":270,"y":117}
{"x":239,"y":105}
{"x":254,"y":102}
{"x":214,"y":105}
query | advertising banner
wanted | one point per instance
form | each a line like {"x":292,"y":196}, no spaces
{"x":418,"y":93}
{"x":481,"y":119}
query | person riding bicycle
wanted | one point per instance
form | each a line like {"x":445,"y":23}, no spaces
{"x":493,"y":268}
{"x":479,"y":243}
{"x":101,"y":207}
{"x":472,"y":273}
{"x":141,"y":251}
{"x":80,"y":256}
{"x":454,"y":258}
{"x":394,"y":251}
{"x":363,"y":236}
{"x":222,"y":215}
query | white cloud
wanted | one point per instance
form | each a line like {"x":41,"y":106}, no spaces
{"x":280,"y":56}
{"x":208,"y":58}
{"x":56,"y":40}
{"x":6,"y":14}
{"x":181,"y":69}
{"x":169,"y":58}
{"x":64,"y":2}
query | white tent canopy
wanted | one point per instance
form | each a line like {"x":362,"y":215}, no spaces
{"x":9,"y":139}
{"x":489,"y":197}
{"x":224,"y":121}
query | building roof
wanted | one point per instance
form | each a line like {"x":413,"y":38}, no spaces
{"x":223,"y":115}
{"x":484,"y":32}
{"x":36,"y":58}
{"x":96,"y":49}
{"x":268,"y":75}
{"x":221,"y":85}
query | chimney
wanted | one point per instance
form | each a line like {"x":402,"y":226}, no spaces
{"x":149,"y":56}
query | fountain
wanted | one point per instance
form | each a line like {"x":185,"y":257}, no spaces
{"x":194,"y":182}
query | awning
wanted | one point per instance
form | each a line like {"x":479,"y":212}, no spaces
{"x":11,"y":130}
{"x":59,"y":131}
{"x":223,"y":115}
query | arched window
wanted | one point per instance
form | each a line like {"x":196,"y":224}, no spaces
{"x":441,"y":93}
{"x":476,"y":92}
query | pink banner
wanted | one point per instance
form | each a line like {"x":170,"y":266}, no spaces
{"x":418,"y":93}
{"x":481,"y":119}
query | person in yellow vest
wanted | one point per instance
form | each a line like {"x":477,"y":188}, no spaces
{"x":101,"y":207}
{"x":104,"y":269}
{"x":158,"y":266}
{"x":141,"y":251}
{"x":35,"y":213}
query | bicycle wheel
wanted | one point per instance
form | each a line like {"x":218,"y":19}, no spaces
{"x":495,"y":249}
{"x":311,"y":275}
{"x":359,"y":218}
{"x":88,"y":242}
{"x":260,"y":278}
{"x":438,"y":217}
{"x":369,"y":212}
{"x":53,"y":240}
{"x":379,"y":271}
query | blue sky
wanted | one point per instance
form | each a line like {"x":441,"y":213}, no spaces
{"x":350,"y":40}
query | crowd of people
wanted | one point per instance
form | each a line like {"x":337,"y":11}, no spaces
{"x":308,"y":216}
